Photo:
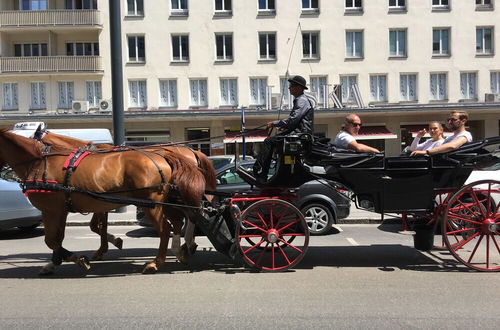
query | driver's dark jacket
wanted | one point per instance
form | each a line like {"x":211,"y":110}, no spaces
{"x":301,"y":118}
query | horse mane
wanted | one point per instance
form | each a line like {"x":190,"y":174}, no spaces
{"x":30,"y":146}
{"x":53,"y":138}
{"x":208,"y":169}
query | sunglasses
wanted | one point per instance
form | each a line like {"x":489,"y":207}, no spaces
{"x":452,"y":119}
{"x":356,"y":124}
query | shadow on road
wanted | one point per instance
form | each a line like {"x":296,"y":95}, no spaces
{"x":16,"y":233}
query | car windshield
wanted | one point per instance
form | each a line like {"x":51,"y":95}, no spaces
{"x":229,"y":175}
{"x":220,"y":162}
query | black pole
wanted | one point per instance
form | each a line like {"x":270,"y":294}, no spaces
{"x":116,"y":71}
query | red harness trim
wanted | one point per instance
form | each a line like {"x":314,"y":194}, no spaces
{"x":77,"y":162}
{"x":27,"y":192}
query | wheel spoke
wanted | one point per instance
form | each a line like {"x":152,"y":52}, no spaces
{"x":255,"y":226}
{"x":285,"y":227}
{"x":284,"y":255}
{"x":292,"y":246}
{"x":459,"y":246}
{"x":475,"y":248}
{"x":460,"y":217}
{"x":253,"y":247}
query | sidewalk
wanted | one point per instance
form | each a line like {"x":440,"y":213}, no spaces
{"x":128,"y":218}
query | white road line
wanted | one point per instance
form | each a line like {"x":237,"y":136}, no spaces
{"x":352,"y":241}
{"x":338,"y":228}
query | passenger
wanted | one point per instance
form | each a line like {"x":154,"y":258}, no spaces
{"x":437,"y":137}
{"x":456,"y":122}
{"x":345,"y":138}
{"x":300,"y":120}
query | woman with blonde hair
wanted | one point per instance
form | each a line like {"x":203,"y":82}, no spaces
{"x":437,"y":137}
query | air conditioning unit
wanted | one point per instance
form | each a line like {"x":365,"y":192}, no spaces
{"x":105,"y":106}
{"x":490,"y":97}
{"x":80,"y":106}
{"x":275,"y":100}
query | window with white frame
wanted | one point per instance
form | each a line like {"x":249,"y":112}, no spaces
{"x":94,"y":93}
{"x":397,"y":42}
{"x":258,"y":91}
{"x":135,"y":7}
{"x":266,"y":5}
{"x":438,"y":86}
{"x":66,"y":94}
{"x":199,"y":93}
{"x":180,"y":48}
{"x":228,"y":92}
{"x":10,"y":96}
{"x":224,"y":47}
{"x":310,"y":5}
{"x":179,"y":7}
{"x":440,"y":4}
{"x":223,"y":6}
{"x":286,"y":97}
{"x":137,"y":94}
{"x":441,"y":41}
{"x":468,"y":85}
{"x":484,"y":41}
{"x":310,"y":45}
{"x":397,"y":4}
{"x":30,"y":49}
{"x":81,"y":4}
{"x":378,"y":88}
{"x":353,"y":5}
{"x":354,"y":44}
{"x":267,"y":46}
{"x":136,"y":49}
{"x":82,"y":48}
{"x":495,"y":82}
{"x":408,"y":87}
{"x":33,"y":4}
{"x":484,"y":4}
{"x":319,"y":86}
{"x":38,"y":96}
{"x":346,"y":83}
{"x":168,"y":93}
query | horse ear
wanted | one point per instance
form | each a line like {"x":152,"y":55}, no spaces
{"x":38,"y":133}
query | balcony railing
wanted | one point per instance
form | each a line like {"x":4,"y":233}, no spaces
{"x":50,"y":64}
{"x":19,"y":18}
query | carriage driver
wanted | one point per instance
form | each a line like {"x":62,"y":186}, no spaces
{"x":456,"y":122}
{"x":300,"y":120}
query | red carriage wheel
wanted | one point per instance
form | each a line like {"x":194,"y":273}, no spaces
{"x":471,"y":225}
{"x":272,"y":235}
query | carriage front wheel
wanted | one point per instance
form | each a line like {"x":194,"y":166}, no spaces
{"x":471,"y":225}
{"x":272,"y":235}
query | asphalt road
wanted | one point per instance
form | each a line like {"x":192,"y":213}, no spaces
{"x":366,"y":276}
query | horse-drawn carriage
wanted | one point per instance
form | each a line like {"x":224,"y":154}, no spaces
{"x":262,"y":227}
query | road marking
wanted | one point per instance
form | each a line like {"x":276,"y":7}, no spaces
{"x":338,"y":228}
{"x":352,"y":241}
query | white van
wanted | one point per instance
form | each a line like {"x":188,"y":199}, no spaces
{"x":95,"y":135}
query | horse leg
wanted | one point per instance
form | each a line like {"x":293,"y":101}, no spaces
{"x":163,"y":229}
{"x":177,"y":222}
{"x":189,"y":246}
{"x":99,"y":225}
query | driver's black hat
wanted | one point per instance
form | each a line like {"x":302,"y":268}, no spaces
{"x":298,"y":80}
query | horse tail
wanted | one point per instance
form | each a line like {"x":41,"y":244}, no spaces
{"x":208,"y":170}
{"x":188,"y":179}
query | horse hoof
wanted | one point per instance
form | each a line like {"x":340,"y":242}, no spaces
{"x":96,"y":256}
{"x":83,"y":262}
{"x":47,"y":270}
{"x":118,"y":243}
{"x":192,"y":249}
{"x":150,"y":269}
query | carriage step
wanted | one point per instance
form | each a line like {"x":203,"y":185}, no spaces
{"x":248,"y":176}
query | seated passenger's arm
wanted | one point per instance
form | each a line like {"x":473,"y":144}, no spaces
{"x":450,"y":146}
{"x":360,"y":147}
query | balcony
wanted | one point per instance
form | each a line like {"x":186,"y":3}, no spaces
{"x":41,"y":18}
{"x":51,"y":64}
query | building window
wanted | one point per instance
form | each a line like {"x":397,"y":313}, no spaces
{"x":267,"y":46}
{"x":224,"y":47}
{"x":440,"y":4}
{"x":408,"y":87}
{"x":136,"y":49}
{"x":354,"y":44}
{"x":94,"y":93}
{"x":484,"y":41}
{"x":82,"y":49}
{"x":441,"y":41}
{"x":353,"y":5}
{"x":378,"y":88}
{"x":484,"y":5}
{"x":397,"y":4}
{"x":228,"y":92}
{"x":223,"y":6}
{"x":66,"y":94}
{"x":346,"y":83}
{"x":310,"y":6}
{"x":81,"y":4}
{"x":28,"y":50}
{"x":438,"y":87}
{"x":168,"y":93}
{"x":468,"y":85}
{"x":495,"y":82}
{"x":258,"y":87}
{"x":135,"y":7}
{"x":10,"y":96}
{"x":397,"y":43}
{"x":137,"y":94}
{"x":34,"y":4}
{"x":319,"y":86}
{"x":199,"y":93}
{"x":286,"y":97}
{"x":179,"y":7}
{"x":266,"y":5}
{"x":310,"y":45}
{"x":38,"y":96}
{"x":199,"y":134}
{"x":180,"y":48}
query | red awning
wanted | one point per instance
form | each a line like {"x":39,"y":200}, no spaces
{"x":375,"y":133}
{"x":413,"y":129}
{"x":250,"y":136}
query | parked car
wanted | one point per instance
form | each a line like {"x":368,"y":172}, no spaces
{"x":223,"y":160}
{"x":16,"y":210}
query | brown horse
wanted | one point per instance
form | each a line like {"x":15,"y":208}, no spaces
{"x":99,"y":221}
{"x":139,"y":175}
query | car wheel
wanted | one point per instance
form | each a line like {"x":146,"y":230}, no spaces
{"x":318,"y":217}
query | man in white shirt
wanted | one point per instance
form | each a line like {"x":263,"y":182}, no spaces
{"x":456,"y":122}
{"x":345,"y":138}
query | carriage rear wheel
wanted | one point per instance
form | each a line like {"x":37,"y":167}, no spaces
{"x":471,"y":225}
{"x":273,"y":235}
